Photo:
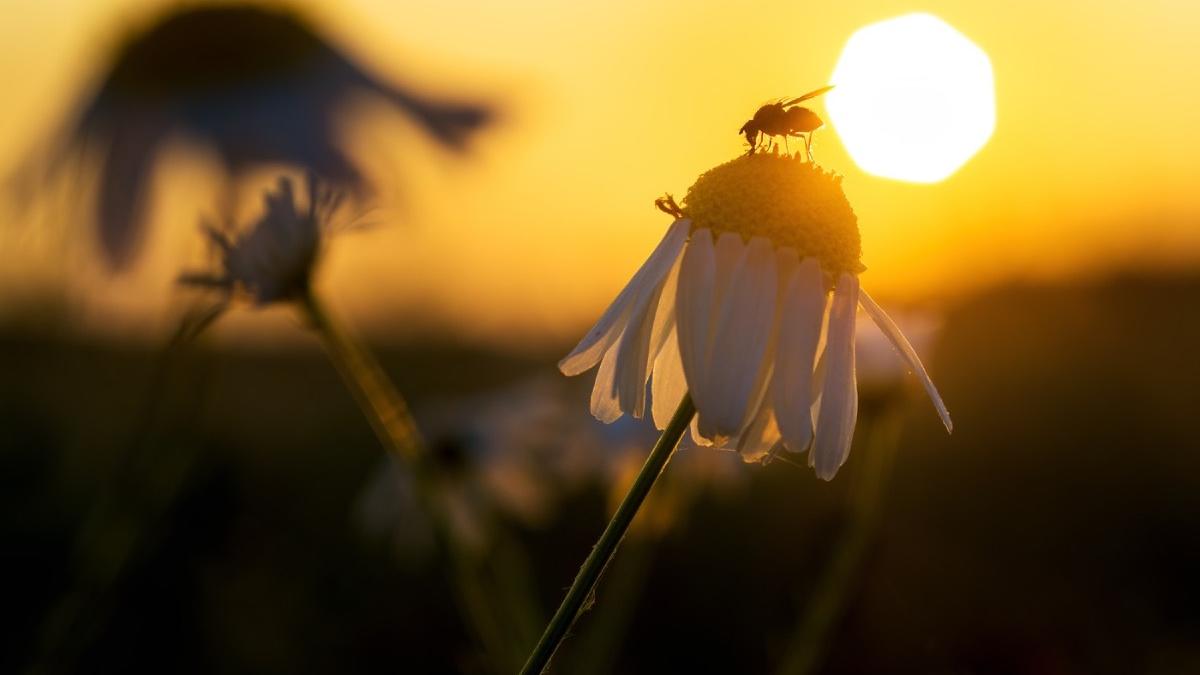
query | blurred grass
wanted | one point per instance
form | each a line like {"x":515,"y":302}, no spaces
{"x":1055,"y":532}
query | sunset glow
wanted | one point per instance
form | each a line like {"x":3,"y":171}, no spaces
{"x":630,"y":112}
{"x":914,"y":98}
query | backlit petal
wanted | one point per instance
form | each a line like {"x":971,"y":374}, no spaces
{"x":728,"y":252}
{"x":606,"y":331}
{"x":651,"y":316}
{"x":906,"y":352}
{"x":760,"y":435}
{"x":839,"y":392}
{"x":742,"y":336}
{"x":694,"y":434}
{"x":667,"y":385}
{"x":604,"y":404}
{"x":803,"y":311}
{"x":693,"y":309}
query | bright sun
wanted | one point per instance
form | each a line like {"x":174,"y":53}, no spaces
{"x":914,"y":98}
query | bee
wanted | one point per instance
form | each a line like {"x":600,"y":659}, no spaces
{"x":784,"y":118}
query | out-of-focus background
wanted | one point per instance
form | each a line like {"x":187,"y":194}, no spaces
{"x":232,"y":512}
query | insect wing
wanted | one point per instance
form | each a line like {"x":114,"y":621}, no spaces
{"x":812,"y":94}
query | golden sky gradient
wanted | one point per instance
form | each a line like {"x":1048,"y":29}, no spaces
{"x":1095,"y":160}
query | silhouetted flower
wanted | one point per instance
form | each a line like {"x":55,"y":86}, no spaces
{"x":272,"y":260}
{"x":257,"y":85}
{"x":748,"y":303}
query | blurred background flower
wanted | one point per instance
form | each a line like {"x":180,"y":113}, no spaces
{"x":274,"y":258}
{"x":255,"y":84}
{"x":502,"y":457}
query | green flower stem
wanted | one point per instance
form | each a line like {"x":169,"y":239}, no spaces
{"x":597,"y":652}
{"x":828,"y":603}
{"x":604,"y":549}
{"x":384,"y":406}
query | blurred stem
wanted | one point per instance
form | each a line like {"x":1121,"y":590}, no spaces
{"x":514,"y":586}
{"x":606,"y":546}
{"x":128,"y":510}
{"x":828,"y":603}
{"x":384,"y":407}
{"x":195,"y":322}
{"x":389,"y":416}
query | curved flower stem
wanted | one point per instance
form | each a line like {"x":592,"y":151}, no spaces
{"x":606,"y":546}
{"x":385,"y":408}
{"x":389,"y":416}
{"x":827,"y":605}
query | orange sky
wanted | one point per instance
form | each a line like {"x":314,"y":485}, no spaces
{"x":1094,"y":160}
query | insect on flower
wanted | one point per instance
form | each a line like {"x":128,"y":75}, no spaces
{"x":749,"y":306}
{"x":742,"y":322}
{"x":784,"y":118}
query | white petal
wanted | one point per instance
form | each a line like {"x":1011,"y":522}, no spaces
{"x":606,"y":331}
{"x":663,"y":336}
{"x":728,"y":253}
{"x":802,"y":313}
{"x":633,"y":361}
{"x":760,"y":435}
{"x":667,"y":385}
{"x":743,"y":335}
{"x":786,"y":262}
{"x":694,"y":434}
{"x":664,"y":320}
{"x":604,"y":405}
{"x":906,"y":351}
{"x":641,"y":341}
{"x":730,"y":249}
{"x":839,"y":393}
{"x":693,"y":308}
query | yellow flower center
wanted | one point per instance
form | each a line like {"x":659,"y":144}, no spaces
{"x":789,"y":201}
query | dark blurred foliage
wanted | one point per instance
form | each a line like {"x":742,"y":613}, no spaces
{"x":257,"y":85}
{"x":1054,"y":533}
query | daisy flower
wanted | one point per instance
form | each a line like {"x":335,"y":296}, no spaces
{"x":749,"y":305}
{"x":273,"y":260}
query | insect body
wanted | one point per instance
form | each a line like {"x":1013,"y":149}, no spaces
{"x":784,"y":118}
